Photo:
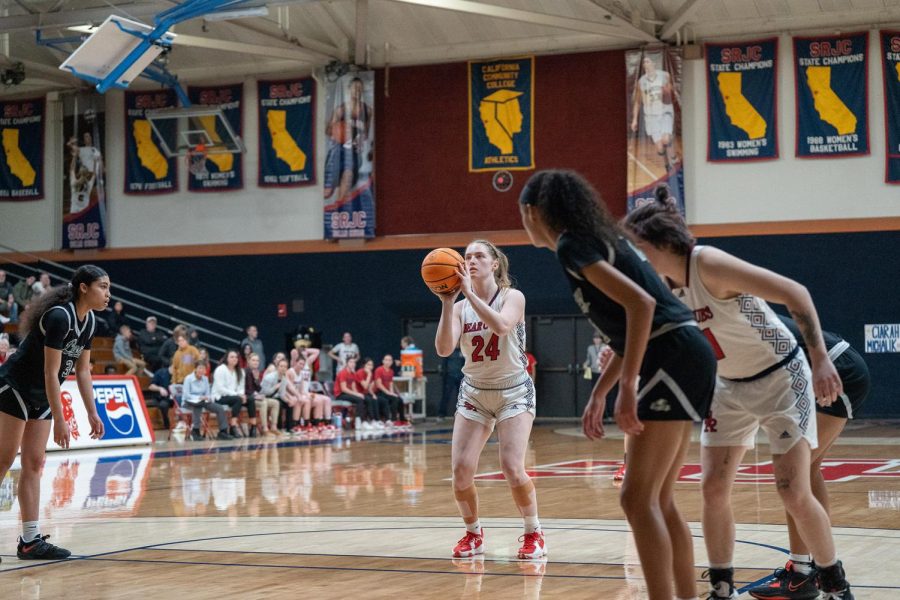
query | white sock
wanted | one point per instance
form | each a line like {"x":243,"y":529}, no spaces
{"x":531,"y":524}
{"x":802,"y":563}
{"x":474,"y":527}
{"x":30,"y":531}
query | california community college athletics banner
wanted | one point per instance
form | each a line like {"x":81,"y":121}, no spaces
{"x":501,"y":114}
{"x":653,"y":99}
{"x":84,"y":193}
{"x":22,"y":165}
{"x":287,"y":132}
{"x":147,"y":170}
{"x":221,"y":171}
{"x":832,"y":80}
{"x":890,"y":50}
{"x":349,"y":186}
{"x":741,"y":83}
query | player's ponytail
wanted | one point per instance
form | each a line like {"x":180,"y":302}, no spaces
{"x":567,"y":202}
{"x":501,"y":275}
{"x":58,"y":295}
{"x":661,"y":225}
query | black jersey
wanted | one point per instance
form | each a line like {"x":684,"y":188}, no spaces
{"x":59,"y":329}
{"x":606,"y":314}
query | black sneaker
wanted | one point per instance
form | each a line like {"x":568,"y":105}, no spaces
{"x":236,"y":432}
{"x":224,"y":435}
{"x":833,"y":584}
{"x":788,"y":585}
{"x":254,"y":432}
{"x":40,"y":549}
{"x":721,"y":584}
{"x":196,"y":435}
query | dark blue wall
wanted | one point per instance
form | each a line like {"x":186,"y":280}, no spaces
{"x":852,"y":278}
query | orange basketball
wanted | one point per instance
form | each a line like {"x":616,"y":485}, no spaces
{"x":439,"y":270}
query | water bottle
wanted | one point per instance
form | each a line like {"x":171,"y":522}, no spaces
{"x":336,"y":420}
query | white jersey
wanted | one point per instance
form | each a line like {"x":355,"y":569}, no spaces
{"x":652,"y":93}
{"x":745,"y":333}
{"x":491,"y":358}
{"x":302,"y":380}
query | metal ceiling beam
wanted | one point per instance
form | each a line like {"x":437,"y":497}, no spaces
{"x":332,"y":26}
{"x":681,"y":16}
{"x":362,"y":32}
{"x":607,"y":29}
{"x":280,"y":51}
{"x":271,"y":30}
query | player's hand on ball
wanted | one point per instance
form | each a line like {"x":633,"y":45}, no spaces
{"x":626,"y":411}
{"x":465,"y":280}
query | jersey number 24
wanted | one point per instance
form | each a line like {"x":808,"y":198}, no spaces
{"x":492,"y":350}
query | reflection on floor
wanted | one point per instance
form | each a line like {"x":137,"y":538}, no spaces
{"x":375,"y":518}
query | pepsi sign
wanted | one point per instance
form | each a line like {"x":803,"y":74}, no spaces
{"x":116,"y":411}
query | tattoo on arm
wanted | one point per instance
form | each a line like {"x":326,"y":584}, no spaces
{"x":808,"y":329}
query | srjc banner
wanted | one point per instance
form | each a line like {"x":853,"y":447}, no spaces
{"x":286,"y":132}
{"x":349,"y":186}
{"x":653,"y":98}
{"x":832,"y":80}
{"x":84,"y":194}
{"x":22,"y":164}
{"x":741,"y":81}
{"x":890,"y":50}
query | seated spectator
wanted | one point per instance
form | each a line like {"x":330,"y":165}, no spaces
{"x":119,"y":317}
{"x":276,"y":384}
{"x":347,"y":389}
{"x":301,"y":375}
{"x":122,"y":352}
{"x":377,"y":411}
{"x":23,"y":293}
{"x":278,"y":357}
{"x":387,"y":392}
{"x":184,"y":360}
{"x":159,"y":392}
{"x":9,"y":310}
{"x":343,"y":351}
{"x":170,"y":346}
{"x":255,"y":343}
{"x":42,"y":284}
{"x":194,"y":336}
{"x":228,"y":389}
{"x":196,"y":395}
{"x":150,"y":340}
{"x":267,"y":408}
{"x":246,"y":351}
{"x":4,"y":348}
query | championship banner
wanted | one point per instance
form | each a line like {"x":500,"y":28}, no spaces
{"x":741,"y":85}
{"x":84,"y":191}
{"x":501,"y":115}
{"x":120,"y":406}
{"x":22,"y":165}
{"x":147,"y":170}
{"x":653,"y":98}
{"x":349,"y":186}
{"x":890,"y":49}
{"x":832,"y":91}
{"x":287,"y":133}
{"x":220,"y":172}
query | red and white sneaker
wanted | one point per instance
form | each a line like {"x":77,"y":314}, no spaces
{"x":619,"y":476}
{"x":533,"y":545}
{"x":471,"y":544}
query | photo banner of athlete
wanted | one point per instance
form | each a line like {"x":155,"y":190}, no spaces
{"x":84,"y":191}
{"x":653,"y":100}
{"x":147,"y":170}
{"x":220,"y":172}
{"x":741,"y":90}
{"x":349,"y":186}
{"x":22,"y":165}
{"x":501,"y":114}
{"x":890,"y":51}
{"x":831,"y":75}
{"x":287,"y":132}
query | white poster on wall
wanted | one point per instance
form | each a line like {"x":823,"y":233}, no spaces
{"x":882,"y":338}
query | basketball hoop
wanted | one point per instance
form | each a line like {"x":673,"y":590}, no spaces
{"x":196,"y":158}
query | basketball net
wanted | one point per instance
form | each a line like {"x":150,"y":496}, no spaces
{"x":196,"y":158}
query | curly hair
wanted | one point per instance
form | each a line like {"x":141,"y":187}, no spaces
{"x":58,"y":295}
